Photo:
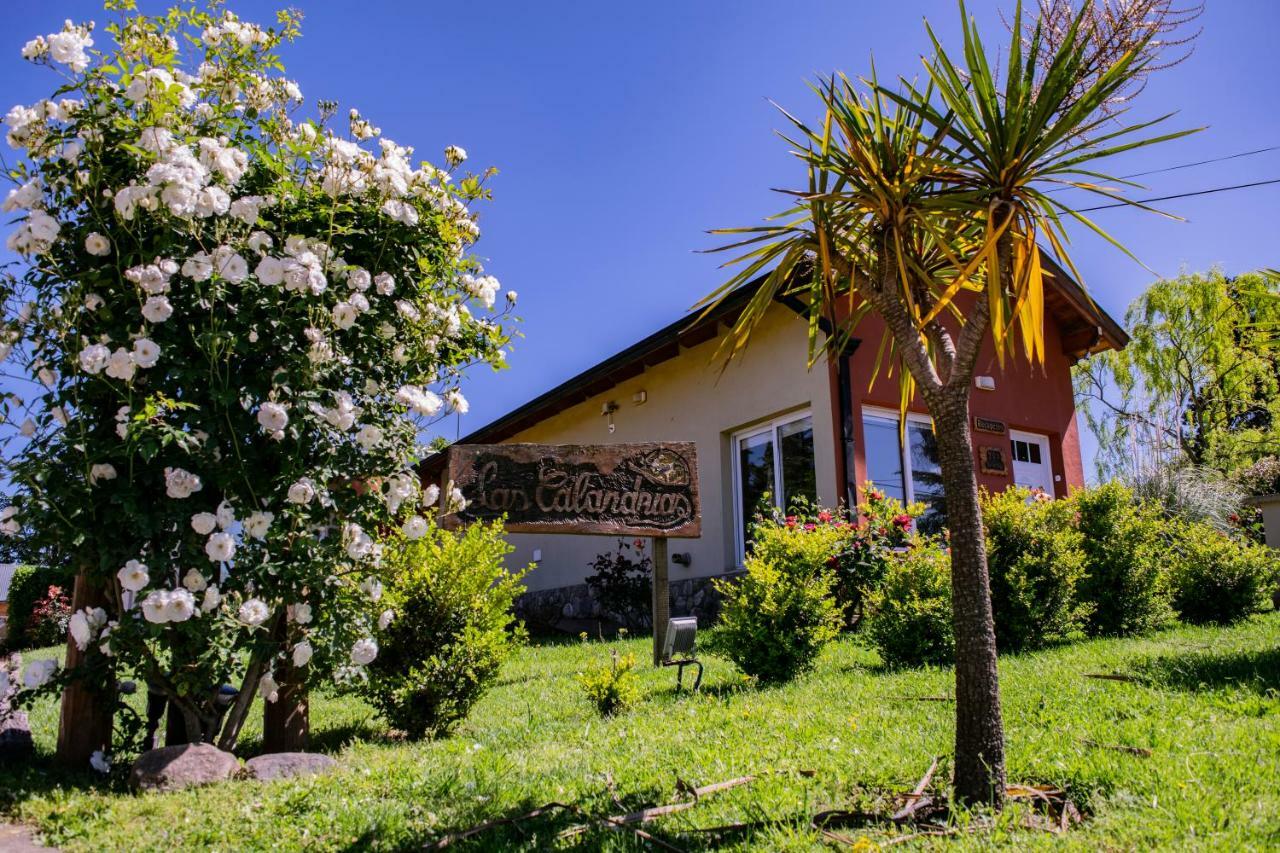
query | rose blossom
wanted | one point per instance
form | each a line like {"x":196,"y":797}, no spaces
{"x":220,"y":547}
{"x":364,"y":651}
{"x":254,"y":612}
{"x":133,"y":576}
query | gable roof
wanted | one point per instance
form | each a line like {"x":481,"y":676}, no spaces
{"x":1085,"y":329}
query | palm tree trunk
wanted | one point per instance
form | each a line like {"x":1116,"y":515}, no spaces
{"x":979,"y":751}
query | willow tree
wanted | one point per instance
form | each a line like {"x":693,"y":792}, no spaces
{"x":930,"y":206}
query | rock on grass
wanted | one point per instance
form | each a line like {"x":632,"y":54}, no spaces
{"x":172,"y":768}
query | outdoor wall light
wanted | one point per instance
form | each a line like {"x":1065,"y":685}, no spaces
{"x":985,"y":383}
{"x":607,"y":411}
{"x":684,"y":558}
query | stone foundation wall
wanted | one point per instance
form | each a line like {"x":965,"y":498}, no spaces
{"x":574,"y":608}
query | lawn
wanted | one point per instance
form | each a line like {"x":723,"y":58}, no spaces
{"x":1205,"y":701}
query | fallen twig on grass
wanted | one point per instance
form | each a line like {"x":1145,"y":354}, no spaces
{"x":1113,"y":676}
{"x":917,"y":799}
{"x":922,"y":698}
{"x":1118,"y":747}
{"x":547,"y":809}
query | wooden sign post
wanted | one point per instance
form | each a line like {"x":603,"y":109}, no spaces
{"x":611,"y":489}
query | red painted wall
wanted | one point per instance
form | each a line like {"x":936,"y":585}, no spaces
{"x":1032,"y":399}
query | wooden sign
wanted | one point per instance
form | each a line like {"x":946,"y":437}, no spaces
{"x":989,"y":425}
{"x":991,"y":461}
{"x":611,"y":489}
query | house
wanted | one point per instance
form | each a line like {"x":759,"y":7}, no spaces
{"x":6,"y":576}
{"x":767,"y":424}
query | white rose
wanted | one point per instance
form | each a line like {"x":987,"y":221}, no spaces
{"x":302,"y":492}
{"x":157,"y":309}
{"x":385,"y":618}
{"x":372,"y":587}
{"x":155,"y":607}
{"x":212,"y":599}
{"x":369,"y":436}
{"x":302,"y":654}
{"x":145,"y":352}
{"x":203,"y":523}
{"x":300,"y":613}
{"x":358,"y":279}
{"x":96,"y":244}
{"x":257,"y":525}
{"x":254,"y":612}
{"x":268,"y":689}
{"x":180,"y":606}
{"x":345,"y":315}
{"x":101,"y":471}
{"x":38,"y":673}
{"x":415,"y":527}
{"x":431,"y":495}
{"x":180,"y":484}
{"x":384,"y":283}
{"x":270,"y":270}
{"x":194,"y":581}
{"x":359,"y":543}
{"x":220,"y":547}
{"x":273,"y":417}
{"x":133,"y":576}
{"x":226,"y":515}
{"x":121,"y":365}
{"x":94,"y":358}
{"x":198,"y":267}
{"x":364,"y":651}
{"x":79,"y":631}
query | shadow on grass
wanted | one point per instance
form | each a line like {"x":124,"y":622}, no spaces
{"x":1255,"y":669}
{"x":41,"y":775}
{"x":543,"y":826}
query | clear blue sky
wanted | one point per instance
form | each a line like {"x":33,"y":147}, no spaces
{"x":624,"y":131}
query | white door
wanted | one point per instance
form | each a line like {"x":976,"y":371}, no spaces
{"x":1031,"y":465}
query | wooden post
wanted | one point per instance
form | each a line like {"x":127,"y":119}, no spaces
{"x":286,"y":722}
{"x":661,"y":597}
{"x":84,"y":722}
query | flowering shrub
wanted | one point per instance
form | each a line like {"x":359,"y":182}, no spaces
{"x":238,"y":321}
{"x":47,"y":623}
{"x":446,"y":627}
{"x":611,"y":686}
{"x":910,"y":621}
{"x":1035,"y":557}
{"x":623,"y":585}
{"x":856,"y":551}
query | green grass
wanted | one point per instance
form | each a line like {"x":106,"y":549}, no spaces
{"x":1207,"y":704}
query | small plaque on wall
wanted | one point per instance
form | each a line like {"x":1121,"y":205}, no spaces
{"x":991,"y":461}
{"x":989,"y":425}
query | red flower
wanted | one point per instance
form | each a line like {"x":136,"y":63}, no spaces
{"x":810,"y":526}
{"x":791,"y":521}
{"x":824,"y":516}
{"x":902,"y":521}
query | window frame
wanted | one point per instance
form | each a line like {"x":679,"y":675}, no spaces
{"x":904,"y":447}
{"x":771,"y":428}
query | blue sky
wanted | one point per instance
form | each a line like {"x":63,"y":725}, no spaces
{"x":624,"y":131}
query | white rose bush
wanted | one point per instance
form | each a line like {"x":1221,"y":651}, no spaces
{"x":233,"y":323}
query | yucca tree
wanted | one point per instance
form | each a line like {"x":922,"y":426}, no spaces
{"x":917,"y":195}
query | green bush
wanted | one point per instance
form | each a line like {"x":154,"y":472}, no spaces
{"x":1217,"y":579}
{"x":611,"y":686}
{"x":864,"y":551}
{"x":911,"y":614}
{"x":1126,"y":545}
{"x":452,"y":627}
{"x":1035,"y":557}
{"x":776,"y":619}
{"x":28,"y":586}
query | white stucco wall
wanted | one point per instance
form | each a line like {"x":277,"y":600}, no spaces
{"x":689,"y":399}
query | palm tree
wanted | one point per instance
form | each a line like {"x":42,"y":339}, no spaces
{"x":917,"y":195}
